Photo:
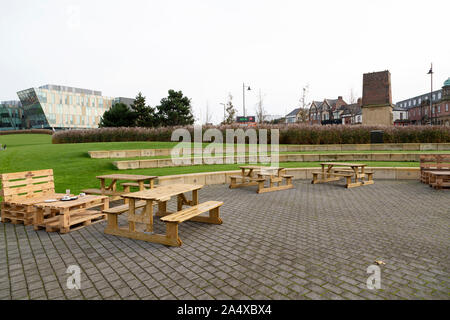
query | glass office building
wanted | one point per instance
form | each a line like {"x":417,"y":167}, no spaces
{"x":60,"y":107}
{"x":11,"y":115}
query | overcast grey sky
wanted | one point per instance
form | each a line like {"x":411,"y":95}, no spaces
{"x":208,"y":48}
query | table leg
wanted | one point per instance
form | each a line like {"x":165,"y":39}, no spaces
{"x":102,"y":186}
{"x":362,"y":174}
{"x":149,"y":214}
{"x":179,"y":202}
{"x":131,"y":214}
{"x":141,"y":185}
{"x":194,"y":197}
{"x":64,"y":221}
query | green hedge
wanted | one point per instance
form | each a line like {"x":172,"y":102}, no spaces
{"x":37,"y":131}
{"x":289,"y":134}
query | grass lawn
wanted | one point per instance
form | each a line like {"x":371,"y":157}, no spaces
{"x":75,"y":170}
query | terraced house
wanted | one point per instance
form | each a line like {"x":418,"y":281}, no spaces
{"x":420,"y":111}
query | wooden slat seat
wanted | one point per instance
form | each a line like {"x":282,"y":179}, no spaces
{"x":135,"y":184}
{"x":191,"y":212}
{"x":21,"y":190}
{"x":124,"y":208}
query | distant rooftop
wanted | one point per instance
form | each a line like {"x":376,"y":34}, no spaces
{"x":70,"y":89}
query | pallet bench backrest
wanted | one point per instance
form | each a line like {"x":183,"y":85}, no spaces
{"x":435,"y":161}
{"x":27,"y":184}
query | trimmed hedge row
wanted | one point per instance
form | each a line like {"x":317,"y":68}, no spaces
{"x":289,"y":134}
{"x":38,"y":131}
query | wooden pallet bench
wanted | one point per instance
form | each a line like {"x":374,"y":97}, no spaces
{"x":439,"y":179}
{"x":66,"y":216}
{"x":433,"y":162}
{"x":22,"y":190}
{"x":77,"y":220}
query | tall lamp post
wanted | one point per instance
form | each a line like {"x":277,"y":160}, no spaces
{"x":243,"y":95}
{"x":431,"y":93}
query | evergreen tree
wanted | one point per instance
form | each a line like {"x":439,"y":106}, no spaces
{"x":230,"y":110}
{"x":119,"y":115}
{"x":175,"y":110}
{"x":145,"y":115}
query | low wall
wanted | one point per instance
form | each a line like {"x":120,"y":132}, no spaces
{"x":221,"y":177}
{"x":168,"y":162}
{"x":285,"y":148}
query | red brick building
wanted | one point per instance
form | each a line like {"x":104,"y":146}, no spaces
{"x":420,"y":112}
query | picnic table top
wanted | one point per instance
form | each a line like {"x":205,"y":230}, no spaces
{"x":346,"y":164}
{"x":163,"y":193}
{"x":440,"y":173}
{"x":131,"y":177}
{"x":71,"y":203}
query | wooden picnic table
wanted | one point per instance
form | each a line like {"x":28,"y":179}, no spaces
{"x":329,"y":173}
{"x":111,"y":189}
{"x":439,"y":179}
{"x":257,"y":175}
{"x":147,"y":198}
{"x":66,"y":216}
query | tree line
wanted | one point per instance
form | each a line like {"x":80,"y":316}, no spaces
{"x":174,"y":110}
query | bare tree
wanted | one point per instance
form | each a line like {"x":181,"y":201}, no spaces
{"x":303,"y":113}
{"x":260,"y":112}
{"x":352,"y":97}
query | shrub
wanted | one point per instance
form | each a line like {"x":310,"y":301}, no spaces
{"x":289,"y":134}
{"x":37,"y":131}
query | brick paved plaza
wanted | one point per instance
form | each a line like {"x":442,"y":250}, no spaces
{"x":311,"y":242}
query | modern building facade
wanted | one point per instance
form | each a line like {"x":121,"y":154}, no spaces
{"x":11,"y":115}
{"x":60,"y":107}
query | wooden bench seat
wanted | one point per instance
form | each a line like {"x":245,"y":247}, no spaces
{"x":123,"y":208}
{"x":192,"y":214}
{"x":135,"y":184}
{"x":22,"y":190}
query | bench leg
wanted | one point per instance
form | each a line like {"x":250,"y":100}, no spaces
{"x":172,"y":234}
{"x":288,"y":181}
{"x":112,"y":221}
{"x":261,"y":185}
{"x":233,"y":183}
{"x":314,"y":180}
{"x":213,"y":218}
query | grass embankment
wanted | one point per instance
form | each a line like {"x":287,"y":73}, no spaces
{"x":75,"y":170}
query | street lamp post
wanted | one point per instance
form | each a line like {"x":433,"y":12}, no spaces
{"x":243,"y":95}
{"x":431,"y":94}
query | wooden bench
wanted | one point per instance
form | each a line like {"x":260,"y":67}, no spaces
{"x":191,"y":214}
{"x":135,"y":184}
{"x":124,"y":208}
{"x":114,"y":194}
{"x":433,"y":162}
{"x":246,"y":181}
{"x":22,"y":190}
